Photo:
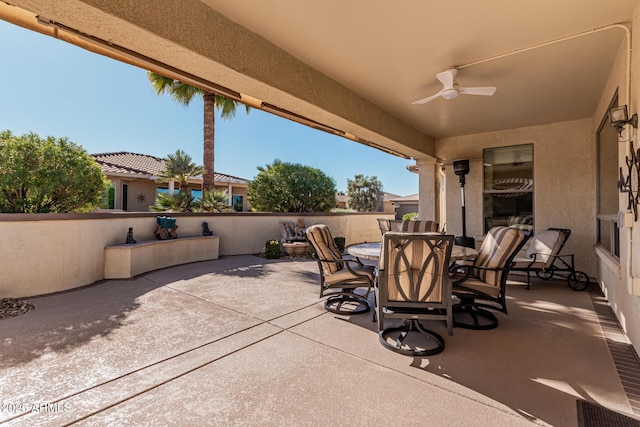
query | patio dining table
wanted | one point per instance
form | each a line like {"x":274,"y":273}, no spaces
{"x":371,"y":251}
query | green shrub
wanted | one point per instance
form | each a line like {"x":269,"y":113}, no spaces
{"x":339,"y":241}
{"x":272,"y":249}
{"x":410,"y":215}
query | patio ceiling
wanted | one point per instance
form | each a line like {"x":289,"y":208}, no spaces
{"x":390,"y":52}
{"x":357,"y":67}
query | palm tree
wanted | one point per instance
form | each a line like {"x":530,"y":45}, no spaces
{"x":184,"y":94}
{"x":215,"y":201}
{"x":179,"y":167}
{"x":181,"y":201}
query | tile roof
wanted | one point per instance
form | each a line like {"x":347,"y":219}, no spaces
{"x":412,"y":198}
{"x":145,"y":166}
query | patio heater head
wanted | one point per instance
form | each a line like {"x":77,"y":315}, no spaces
{"x":461,"y":168}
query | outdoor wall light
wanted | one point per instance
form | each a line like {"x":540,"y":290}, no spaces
{"x":618,"y":117}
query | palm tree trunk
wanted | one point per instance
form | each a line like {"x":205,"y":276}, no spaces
{"x":208,"y":180}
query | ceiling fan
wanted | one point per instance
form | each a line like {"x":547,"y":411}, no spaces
{"x":451,"y":89}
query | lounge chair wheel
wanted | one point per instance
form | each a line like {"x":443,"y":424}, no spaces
{"x":578,"y":281}
{"x":544,"y":274}
{"x":412,"y":339}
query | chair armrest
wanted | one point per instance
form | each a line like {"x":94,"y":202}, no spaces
{"x":468,"y":269}
{"x":464,"y":270}
{"x":346,"y":264}
{"x":340,"y":260}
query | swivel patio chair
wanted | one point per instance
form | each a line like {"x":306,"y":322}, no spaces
{"x":482,"y":285}
{"x":408,"y":226}
{"x":543,"y":257}
{"x":339,"y":276}
{"x":413,"y":284}
{"x":384,"y":224}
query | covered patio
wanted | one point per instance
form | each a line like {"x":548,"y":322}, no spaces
{"x":241,"y":340}
{"x":357,"y":71}
{"x":246,"y":341}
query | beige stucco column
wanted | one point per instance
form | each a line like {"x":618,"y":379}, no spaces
{"x":230,"y":191}
{"x":427,"y":189}
{"x":172,"y":187}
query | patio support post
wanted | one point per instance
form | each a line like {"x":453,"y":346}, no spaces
{"x":427,"y":190}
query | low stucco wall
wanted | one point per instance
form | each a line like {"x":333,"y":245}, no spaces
{"x":50,"y":253}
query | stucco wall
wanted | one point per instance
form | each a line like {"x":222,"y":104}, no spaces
{"x":616,"y":277}
{"x":50,"y":253}
{"x":564,"y":181}
{"x":140,"y":195}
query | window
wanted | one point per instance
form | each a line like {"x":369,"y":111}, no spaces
{"x":197,"y":194}
{"x":238,"y":202}
{"x":109,"y":197}
{"x":125,"y":195}
{"x":508,"y":187}
{"x":608,"y":233}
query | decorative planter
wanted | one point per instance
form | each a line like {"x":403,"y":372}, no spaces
{"x":296,"y":249}
{"x":165,"y":228}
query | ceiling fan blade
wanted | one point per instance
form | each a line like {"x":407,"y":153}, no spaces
{"x":430,"y":98}
{"x":447,"y":77}
{"x":485,"y":91}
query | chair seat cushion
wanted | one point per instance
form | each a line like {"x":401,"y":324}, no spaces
{"x":480,"y":286}
{"x":346,"y":275}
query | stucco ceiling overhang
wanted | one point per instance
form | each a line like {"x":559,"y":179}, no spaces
{"x":358,"y":67}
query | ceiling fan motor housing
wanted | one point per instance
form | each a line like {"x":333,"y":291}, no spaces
{"x":450,"y":93}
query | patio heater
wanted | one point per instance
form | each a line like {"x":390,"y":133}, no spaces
{"x":461,"y":168}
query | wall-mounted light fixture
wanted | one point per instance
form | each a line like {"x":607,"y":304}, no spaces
{"x":618,"y":117}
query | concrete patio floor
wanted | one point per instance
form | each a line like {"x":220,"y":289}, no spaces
{"x":246,"y":341}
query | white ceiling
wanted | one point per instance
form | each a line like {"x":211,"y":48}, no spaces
{"x":389,"y":52}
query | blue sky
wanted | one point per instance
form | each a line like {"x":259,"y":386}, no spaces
{"x":53,"y":88}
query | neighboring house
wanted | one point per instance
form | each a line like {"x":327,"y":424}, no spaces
{"x":388,"y":206}
{"x":405,"y":205}
{"x":341,"y":201}
{"x":134,"y":182}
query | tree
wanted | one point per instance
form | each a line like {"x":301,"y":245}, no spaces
{"x":182,"y":201}
{"x":287,"y":187}
{"x":215,"y":201}
{"x":184,"y":94}
{"x":364,"y":194}
{"x":180,"y":168}
{"x":47,"y":175}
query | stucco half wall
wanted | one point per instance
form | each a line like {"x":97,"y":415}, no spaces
{"x":564,"y":159}
{"x":45,"y":253}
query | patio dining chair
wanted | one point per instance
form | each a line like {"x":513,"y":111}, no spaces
{"x":413,"y":285}
{"x":408,"y":226}
{"x":339,"y":276}
{"x":482,"y":285}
